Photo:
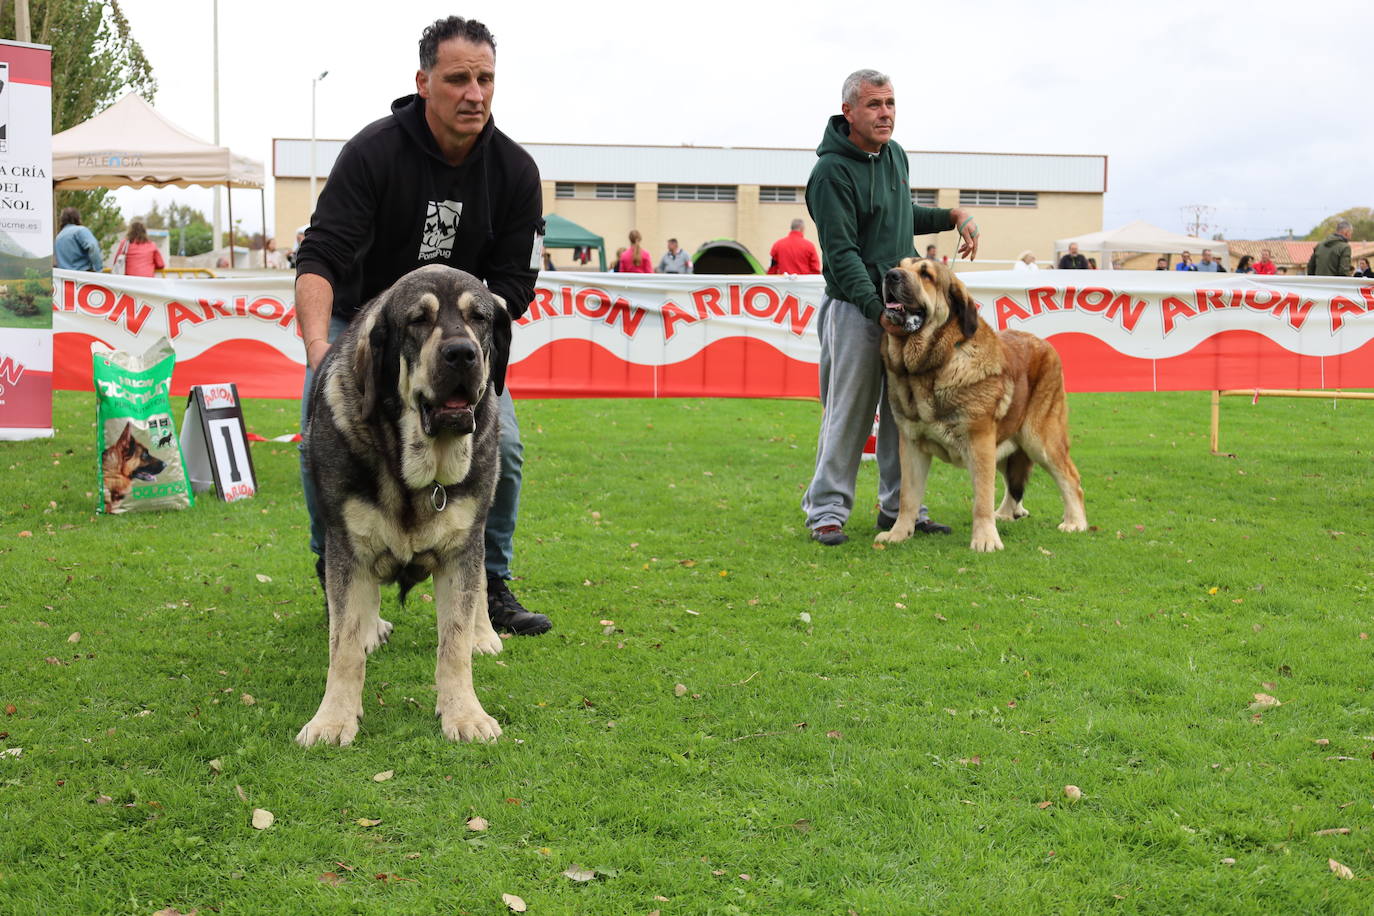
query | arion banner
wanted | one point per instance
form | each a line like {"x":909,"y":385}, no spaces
{"x":26,"y":236}
{"x":618,"y":335}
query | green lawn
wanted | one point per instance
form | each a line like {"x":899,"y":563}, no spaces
{"x":882,"y":731}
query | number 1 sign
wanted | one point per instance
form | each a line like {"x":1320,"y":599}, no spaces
{"x":215,"y":442}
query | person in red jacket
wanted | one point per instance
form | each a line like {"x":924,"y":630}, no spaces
{"x":635,"y":260}
{"x":794,"y":254}
{"x":1265,"y":265}
{"x":142,"y":258}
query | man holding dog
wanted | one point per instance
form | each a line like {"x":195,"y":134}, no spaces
{"x":433,"y":183}
{"x":859,"y":196}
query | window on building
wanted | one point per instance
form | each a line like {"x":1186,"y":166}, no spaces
{"x":564,"y":190}
{"x":615,"y":192}
{"x":997,"y":199}
{"x":769,"y":194}
{"x":923,"y":197}
{"x":724,"y":192}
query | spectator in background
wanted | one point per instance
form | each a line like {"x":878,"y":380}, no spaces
{"x":1026,"y":261}
{"x":291,"y":255}
{"x":1210,"y":264}
{"x":75,"y":247}
{"x":274,"y":258}
{"x":675,"y":261}
{"x":615,"y":261}
{"x":1072,"y":260}
{"x":635,"y":260}
{"x":794,"y":253}
{"x":1282,"y":270}
{"x":1364,"y":270}
{"x":548,"y":260}
{"x":1244,"y":266}
{"x":1185,"y":262}
{"x":1265,"y":265}
{"x":1161,"y":264}
{"x":1331,"y":256}
{"x":932,"y":254}
{"x":142,"y":258}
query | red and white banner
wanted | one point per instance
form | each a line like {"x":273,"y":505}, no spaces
{"x":26,"y":357}
{"x":635,"y":335}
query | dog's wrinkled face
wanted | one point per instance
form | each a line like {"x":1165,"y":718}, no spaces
{"x":437,"y":342}
{"x":921,"y":293}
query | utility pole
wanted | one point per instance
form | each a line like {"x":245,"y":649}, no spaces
{"x":22,"y":30}
{"x":218,"y":237}
{"x":1196,"y":227}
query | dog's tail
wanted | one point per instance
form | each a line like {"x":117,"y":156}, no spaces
{"x":409,"y":577}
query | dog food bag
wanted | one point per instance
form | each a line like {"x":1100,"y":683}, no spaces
{"x":141,"y":465}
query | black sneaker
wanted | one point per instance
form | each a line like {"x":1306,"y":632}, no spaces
{"x":926,"y":526}
{"x":885,"y":521}
{"x":507,"y":613}
{"x":829,"y":535}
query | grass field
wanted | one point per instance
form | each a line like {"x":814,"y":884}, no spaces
{"x":876,"y":731}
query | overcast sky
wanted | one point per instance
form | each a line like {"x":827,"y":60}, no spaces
{"x":1257,"y":110}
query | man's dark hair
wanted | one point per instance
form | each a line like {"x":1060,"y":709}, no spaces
{"x":452,"y":27}
{"x":71,"y":216}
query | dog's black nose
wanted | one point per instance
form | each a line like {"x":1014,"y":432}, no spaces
{"x":459,"y":353}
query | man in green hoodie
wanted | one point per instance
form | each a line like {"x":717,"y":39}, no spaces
{"x":1331,"y":257}
{"x":859,"y":196}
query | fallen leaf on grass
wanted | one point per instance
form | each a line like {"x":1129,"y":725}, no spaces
{"x":1228,"y":861}
{"x":332,"y":878}
{"x":247,"y":699}
{"x":1044,"y":804}
{"x":12,"y":752}
{"x":216,"y":766}
{"x":679,"y":690}
{"x":262,"y":818}
{"x":74,"y":638}
{"x":243,"y":796}
{"x":513,"y":903}
{"x":1321,"y":742}
{"x":477,"y":823}
{"x":384,"y":776}
{"x":1264,"y":701}
{"x":1333,"y":831}
{"x":1339,"y":870}
{"x":10,"y":709}
{"x":368,"y":821}
{"x":578,"y":873}
{"x":801,"y":826}
{"x":1073,"y":793}
{"x":173,"y":911}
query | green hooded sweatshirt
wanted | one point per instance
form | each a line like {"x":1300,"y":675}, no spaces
{"x":1331,"y":257}
{"x":861,"y":204}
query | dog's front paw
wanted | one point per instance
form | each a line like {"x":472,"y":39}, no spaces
{"x":322,"y":730}
{"x":1074,"y":526}
{"x":986,"y":539}
{"x":487,"y":643}
{"x":898,"y":534}
{"x":373,"y":641}
{"x":479,"y":727}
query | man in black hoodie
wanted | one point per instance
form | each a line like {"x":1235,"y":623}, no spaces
{"x":433,"y":183}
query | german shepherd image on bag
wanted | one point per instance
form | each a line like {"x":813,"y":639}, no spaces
{"x":402,"y":442}
{"x":124,"y":462}
{"x":975,"y":398}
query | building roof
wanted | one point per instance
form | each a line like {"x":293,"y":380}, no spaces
{"x":726,"y":165}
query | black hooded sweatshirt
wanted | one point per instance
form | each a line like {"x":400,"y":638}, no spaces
{"x":393,"y":203}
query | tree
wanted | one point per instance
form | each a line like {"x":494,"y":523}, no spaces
{"x":189,"y":232}
{"x":1361,"y":221}
{"x":95,"y":60}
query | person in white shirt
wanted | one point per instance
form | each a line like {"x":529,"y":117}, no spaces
{"x":1025,"y":261}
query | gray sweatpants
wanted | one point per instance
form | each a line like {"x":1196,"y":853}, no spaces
{"x":853,"y":386}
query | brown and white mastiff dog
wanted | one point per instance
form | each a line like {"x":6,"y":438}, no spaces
{"x":972,"y":397}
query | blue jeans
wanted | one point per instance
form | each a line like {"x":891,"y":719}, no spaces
{"x":500,"y":532}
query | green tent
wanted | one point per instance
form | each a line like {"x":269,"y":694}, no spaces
{"x":564,"y":233}
{"x":724,"y":256}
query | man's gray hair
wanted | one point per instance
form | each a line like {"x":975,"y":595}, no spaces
{"x":1343,"y":225}
{"x":797,"y":225}
{"x":850,"y":95}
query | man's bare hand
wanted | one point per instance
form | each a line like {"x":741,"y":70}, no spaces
{"x":968,"y":232}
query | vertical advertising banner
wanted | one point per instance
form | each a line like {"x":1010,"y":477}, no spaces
{"x":26,"y":240}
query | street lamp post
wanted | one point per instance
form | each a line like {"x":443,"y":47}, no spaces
{"x":313,"y":83}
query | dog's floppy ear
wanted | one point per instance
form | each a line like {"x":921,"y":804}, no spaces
{"x":962,"y":304}
{"x":500,"y":344}
{"x":368,"y":350}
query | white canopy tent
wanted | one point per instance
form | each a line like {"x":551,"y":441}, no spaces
{"x":130,"y":145}
{"x":1139,"y":237}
